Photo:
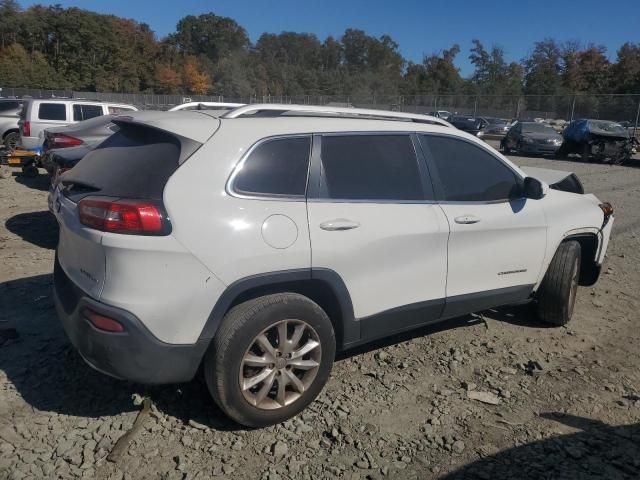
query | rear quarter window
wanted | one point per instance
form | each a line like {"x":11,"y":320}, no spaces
{"x":275,"y":167}
{"x":85,"y":112}
{"x":52,"y":111}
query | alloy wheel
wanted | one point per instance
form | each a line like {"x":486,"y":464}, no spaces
{"x":280,"y":364}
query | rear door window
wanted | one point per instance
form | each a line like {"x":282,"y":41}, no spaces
{"x":52,"y":111}
{"x":85,"y":112}
{"x":469,"y":173}
{"x":276,"y":167}
{"x":370,"y":167}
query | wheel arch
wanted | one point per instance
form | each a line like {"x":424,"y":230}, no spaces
{"x":325,"y":287}
{"x":589,"y":268}
{"x":11,"y":130}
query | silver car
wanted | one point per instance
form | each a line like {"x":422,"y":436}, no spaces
{"x":39,"y":114}
{"x":9,"y":116}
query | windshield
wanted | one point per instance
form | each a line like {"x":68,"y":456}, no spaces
{"x":608,"y":127}
{"x":495,"y":121}
{"x":536,"y":128}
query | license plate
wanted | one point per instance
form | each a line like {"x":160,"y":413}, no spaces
{"x":14,"y":161}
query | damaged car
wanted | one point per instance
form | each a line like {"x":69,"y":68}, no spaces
{"x":600,"y":140}
{"x":531,"y":138}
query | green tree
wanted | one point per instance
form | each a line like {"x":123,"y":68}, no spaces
{"x":542,"y":69}
{"x":9,"y":22}
{"x":441,"y":76}
{"x":209,"y":34}
{"x":626,"y":71}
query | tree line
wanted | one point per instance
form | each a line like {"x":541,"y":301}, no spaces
{"x":71,"y":48}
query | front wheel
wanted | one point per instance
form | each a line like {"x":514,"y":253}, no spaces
{"x":270,"y":358}
{"x":557,"y":293}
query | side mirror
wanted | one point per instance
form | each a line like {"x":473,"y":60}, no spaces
{"x":534,"y":189}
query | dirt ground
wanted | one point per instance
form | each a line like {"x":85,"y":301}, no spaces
{"x":563,"y":402}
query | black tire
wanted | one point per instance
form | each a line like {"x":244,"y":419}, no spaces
{"x":239,"y":328}
{"x":30,"y":170}
{"x":557,"y":293}
{"x":561,"y":154}
{"x":12,"y":140}
{"x":519,"y":149}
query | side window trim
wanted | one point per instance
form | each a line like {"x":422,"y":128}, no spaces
{"x":321,"y":193}
{"x":229,"y":186}
{"x":437,"y":182}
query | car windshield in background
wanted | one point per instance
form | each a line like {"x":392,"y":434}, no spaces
{"x":6,"y":106}
{"x":495,"y":121}
{"x":536,"y":128}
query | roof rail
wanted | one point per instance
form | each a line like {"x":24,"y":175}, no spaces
{"x":199,"y":105}
{"x":270,"y":109}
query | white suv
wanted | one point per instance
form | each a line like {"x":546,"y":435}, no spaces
{"x":39,"y":114}
{"x":260,"y":240}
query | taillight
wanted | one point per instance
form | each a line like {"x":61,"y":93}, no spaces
{"x":59,"y":140}
{"x":134,"y":217}
{"x":102,"y":322}
{"x":26,"y":129}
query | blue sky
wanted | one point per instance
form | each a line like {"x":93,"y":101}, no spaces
{"x":420,"y":27}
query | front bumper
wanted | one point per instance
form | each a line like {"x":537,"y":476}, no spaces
{"x":539,"y":148}
{"x":135,"y":354}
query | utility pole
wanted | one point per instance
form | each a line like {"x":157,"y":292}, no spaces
{"x":573,"y":107}
{"x":635,"y":126}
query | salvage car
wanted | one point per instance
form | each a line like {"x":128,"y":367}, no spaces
{"x":600,"y":140}
{"x":86,"y":135}
{"x":495,"y":126}
{"x":531,"y":138}
{"x":315,"y":230}
{"x":470,"y":124}
{"x":40,"y":114}
{"x":444,"y":114}
{"x":9,"y":116}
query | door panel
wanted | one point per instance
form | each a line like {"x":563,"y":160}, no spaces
{"x":503,"y":247}
{"x":395,"y":256}
{"x":498,"y":238}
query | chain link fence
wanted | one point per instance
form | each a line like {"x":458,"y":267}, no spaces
{"x":621,"y":108}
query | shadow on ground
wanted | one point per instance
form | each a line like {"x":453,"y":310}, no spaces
{"x":597,"y":451}
{"x":40,"y":182}
{"x":37,"y":228}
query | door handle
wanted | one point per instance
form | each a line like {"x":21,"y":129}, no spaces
{"x":338,"y":225}
{"x":466,"y":219}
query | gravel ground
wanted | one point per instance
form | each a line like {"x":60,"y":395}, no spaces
{"x":492,"y":396}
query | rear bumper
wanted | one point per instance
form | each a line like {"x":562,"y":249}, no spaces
{"x":135,"y":354}
{"x":30,"y":142}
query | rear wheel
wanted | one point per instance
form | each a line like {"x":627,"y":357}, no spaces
{"x":12,"y":140}
{"x":270,"y":358}
{"x":557,"y":292}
